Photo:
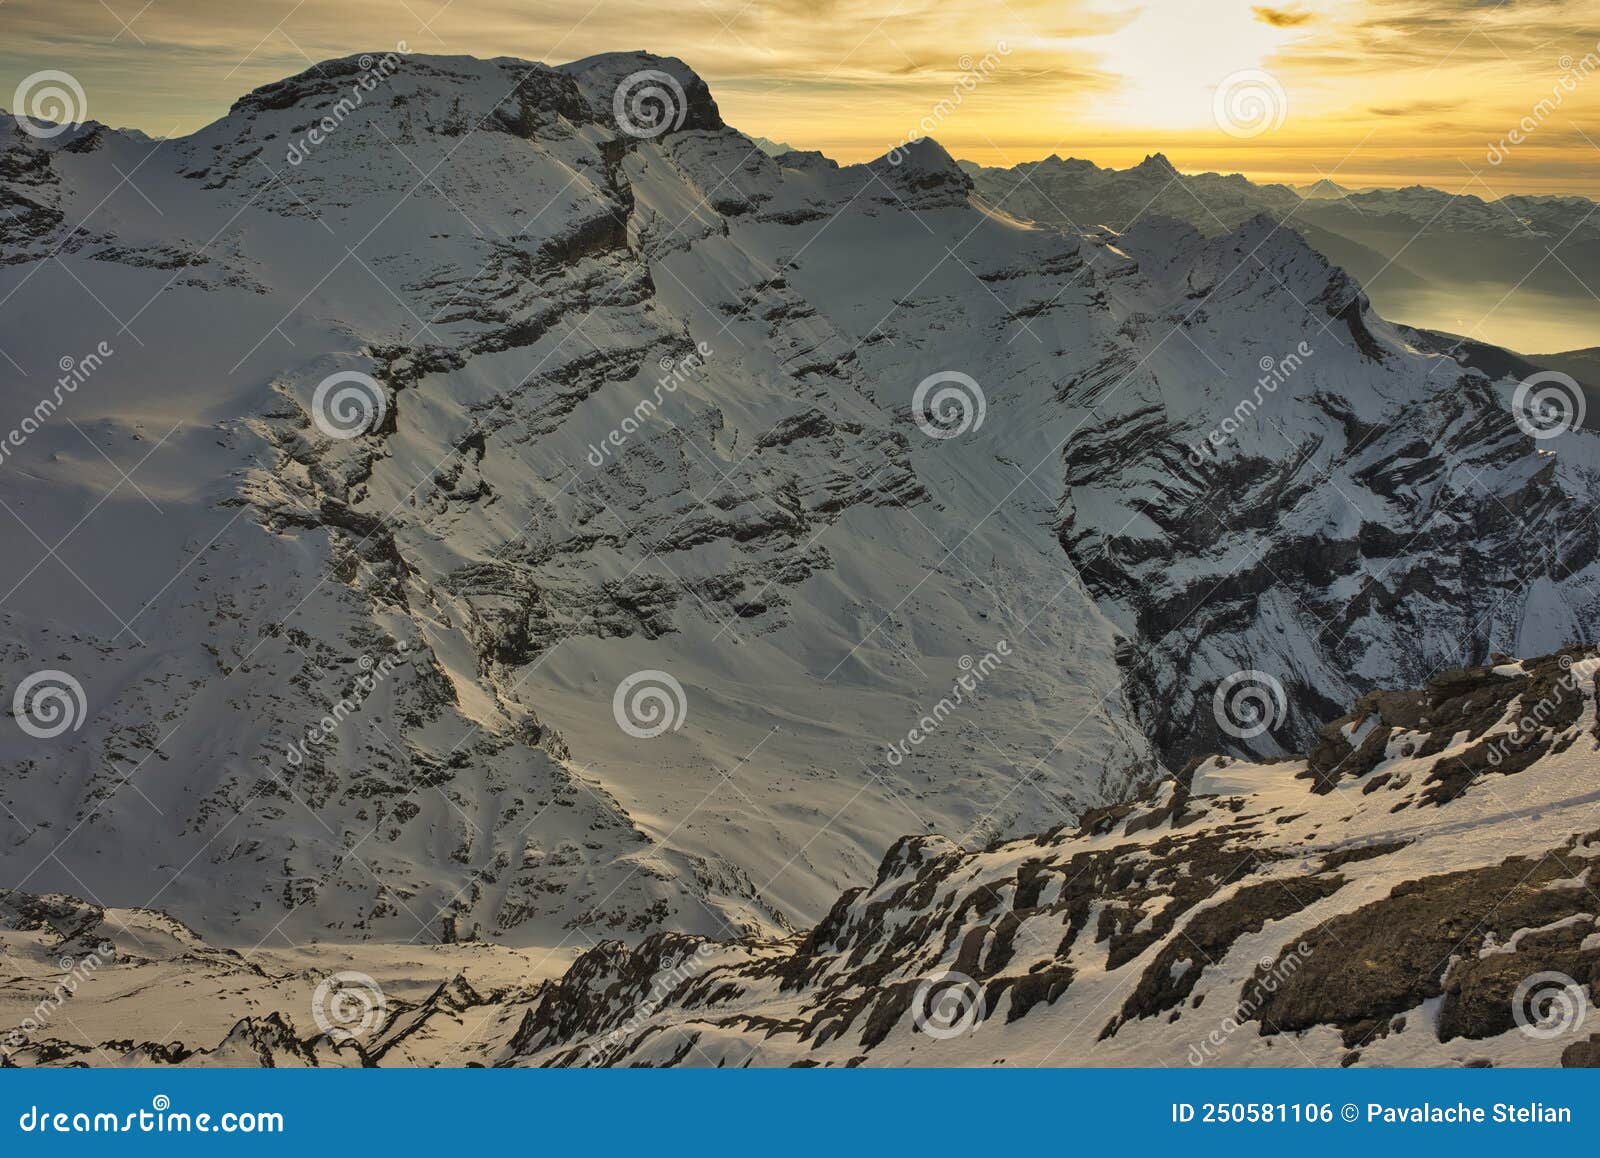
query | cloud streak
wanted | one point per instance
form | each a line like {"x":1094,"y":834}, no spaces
{"x":1282,"y":17}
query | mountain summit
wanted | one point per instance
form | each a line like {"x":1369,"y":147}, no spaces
{"x":478,"y":500}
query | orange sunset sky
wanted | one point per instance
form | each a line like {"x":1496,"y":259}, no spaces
{"x":1367,"y":91}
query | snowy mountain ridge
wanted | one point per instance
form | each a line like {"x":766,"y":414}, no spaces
{"x":1213,"y":202}
{"x":1445,"y":259}
{"x":330,"y":495}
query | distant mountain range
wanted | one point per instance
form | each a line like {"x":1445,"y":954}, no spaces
{"x":1424,"y":255}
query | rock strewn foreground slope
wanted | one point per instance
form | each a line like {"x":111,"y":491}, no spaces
{"x":1377,"y":902}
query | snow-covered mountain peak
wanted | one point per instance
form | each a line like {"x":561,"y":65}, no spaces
{"x":1271,"y":242}
{"x":925,"y":168}
{"x":812,"y":440}
{"x":1264,"y":256}
{"x":638,"y":406}
{"x":78,"y":137}
{"x":358,"y":103}
{"x":926,"y":154}
{"x":650,"y":94}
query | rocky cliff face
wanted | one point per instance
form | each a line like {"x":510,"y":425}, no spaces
{"x":433,"y":400}
{"x":598,"y":396}
{"x":1327,"y":510}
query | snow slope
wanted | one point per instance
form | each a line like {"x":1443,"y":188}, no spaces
{"x":517,"y":273}
{"x":1419,"y":889}
{"x":1379,"y":902}
{"x":364,"y":688}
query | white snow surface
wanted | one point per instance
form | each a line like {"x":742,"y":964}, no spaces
{"x":781,"y":535}
{"x":813,"y":597}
